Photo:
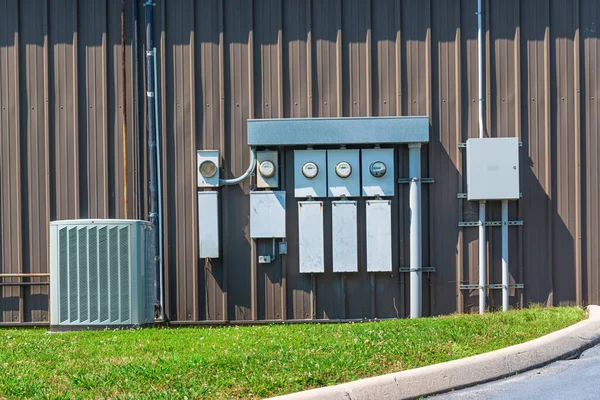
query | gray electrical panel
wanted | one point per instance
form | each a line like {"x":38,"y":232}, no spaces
{"x":311,"y":247}
{"x":267,"y":168}
{"x":207,"y":168}
{"x":208,"y":224}
{"x":379,"y":236}
{"x":344,"y":236}
{"x":310,"y":173}
{"x":378,"y":172}
{"x":267,"y":214}
{"x":343,"y":173}
{"x":493,"y":169}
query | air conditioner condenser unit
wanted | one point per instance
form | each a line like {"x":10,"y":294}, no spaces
{"x":101,"y":274}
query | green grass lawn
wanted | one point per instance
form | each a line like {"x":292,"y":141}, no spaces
{"x":249,"y":361}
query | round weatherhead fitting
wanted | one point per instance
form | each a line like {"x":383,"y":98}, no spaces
{"x":310,"y":170}
{"x":378,"y":169}
{"x":343,"y":169}
{"x":208,"y":169}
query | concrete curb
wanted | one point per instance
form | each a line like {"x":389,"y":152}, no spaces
{"x":439,"y":378}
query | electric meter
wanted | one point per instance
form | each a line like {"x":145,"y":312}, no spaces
{"x":310,"y":170}
{"x":343,"y":169}
{"x":267,"y":169}
{"x":208,"y":169}
{"x":378,"y":169}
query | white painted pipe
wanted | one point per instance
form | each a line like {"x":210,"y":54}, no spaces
{"x":505,"y":255}
{"x":482,"y":243}
{"x":482,"y":259}
{"x":416,"y":258}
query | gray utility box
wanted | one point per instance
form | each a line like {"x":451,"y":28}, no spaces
{"x":267,"y":215}
{"x":493,"y":169}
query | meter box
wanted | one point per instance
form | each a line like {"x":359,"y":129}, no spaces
{"x":267,"y":166}
{"x":493,"y":169}
{"x":379,"y":236}
{"x":344,"y":236}
{"x":378,"y":172}
{"x":343,"y":170}
{"x":310,"y":173}
{"x":267,"y":214}
{"x":311,"y":246}
{"x":208,"y":224}
{"x":207,"y":168}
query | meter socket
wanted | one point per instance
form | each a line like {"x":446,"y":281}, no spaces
{"x":343,"y":173}
{"x":268,"y":169}
{"x":208,"y":168}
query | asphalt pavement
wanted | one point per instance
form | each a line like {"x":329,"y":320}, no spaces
{"x":576,"y":379}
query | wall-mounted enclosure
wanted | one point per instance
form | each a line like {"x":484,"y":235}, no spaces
{"x":222,"y":62}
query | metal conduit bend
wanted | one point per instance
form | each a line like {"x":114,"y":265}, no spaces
{"x":250,"y":170}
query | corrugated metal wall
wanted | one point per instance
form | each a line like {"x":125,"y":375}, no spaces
{"x":224,"y":61}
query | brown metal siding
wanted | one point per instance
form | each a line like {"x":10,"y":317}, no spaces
{"x":223,"y":61}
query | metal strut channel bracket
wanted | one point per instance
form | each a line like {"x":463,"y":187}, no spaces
{"x":423,"y":269}
{"x":464,"y":145}
{"x":489,"y":223}
{"x":493,"y":286}
{"x":422,"y":180}
{"x":464,"y":195}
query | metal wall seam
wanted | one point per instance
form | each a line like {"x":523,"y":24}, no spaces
{"x":190,"y":174}
{"x":578,"y":164}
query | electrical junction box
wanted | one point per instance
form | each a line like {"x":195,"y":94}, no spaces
{"x":343,"y":173}
{"x":344,"y":233}
{"x":311,"y":246}
{"x":208,"y":224}
{"x":378,"y":172}
{"x":493,"y":169}
{"x":310,"y":173}
{"x":267,"y":167}
{"x":207,"y":168}
{"x":267,"y":214}
{"x":379,"y":236}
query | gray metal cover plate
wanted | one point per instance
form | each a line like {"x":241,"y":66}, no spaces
{"x":208,"y":224}
{"x":379,"y":236}
{"x":317,"y":186}
{"x":493,"y":169}
{"x":344,"y":236}
{"x":385,"y":185}
{"x":311,"y":247}
{"x":343,"y":187}
{"x":267,"y":215}
{"x":324,"y":131}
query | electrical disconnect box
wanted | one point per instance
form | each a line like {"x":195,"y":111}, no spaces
{"x":208,"y":168}
{"x":493,"y":169}
{"x":267,"y":166}
{"x":378,"y":172}
{"x":208,"y":224}
{"x":311,"y":248}
{"x":310,"y":173}
{"x":267,"y":214}
{"x":343,"y":173}
{"x":379,"y":236}
{"x":344,"y":234}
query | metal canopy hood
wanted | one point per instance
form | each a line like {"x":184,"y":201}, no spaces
{"x":337,"y":131}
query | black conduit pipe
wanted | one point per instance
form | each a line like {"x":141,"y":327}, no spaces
{"x":150,"y":96}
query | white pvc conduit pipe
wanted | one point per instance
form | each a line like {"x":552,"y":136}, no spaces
{"x":416,"y":257}
{"x":482,"y":241}
{"x":250,"y":170}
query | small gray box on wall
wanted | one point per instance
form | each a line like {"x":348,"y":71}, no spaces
{"x":311,"y":247}
{"x":343,"y":173}
{"x":344,"y":234}
{"x":267,"y":215}
{"x":493,"y":169}
{"x":208,"y":224}
{"x":310,"y":173}
{"x":379,"y":236}
{"x":378,"y":172}
{"x":207,"y":168}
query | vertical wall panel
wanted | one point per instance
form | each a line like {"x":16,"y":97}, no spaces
{"x":11,"y":254}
